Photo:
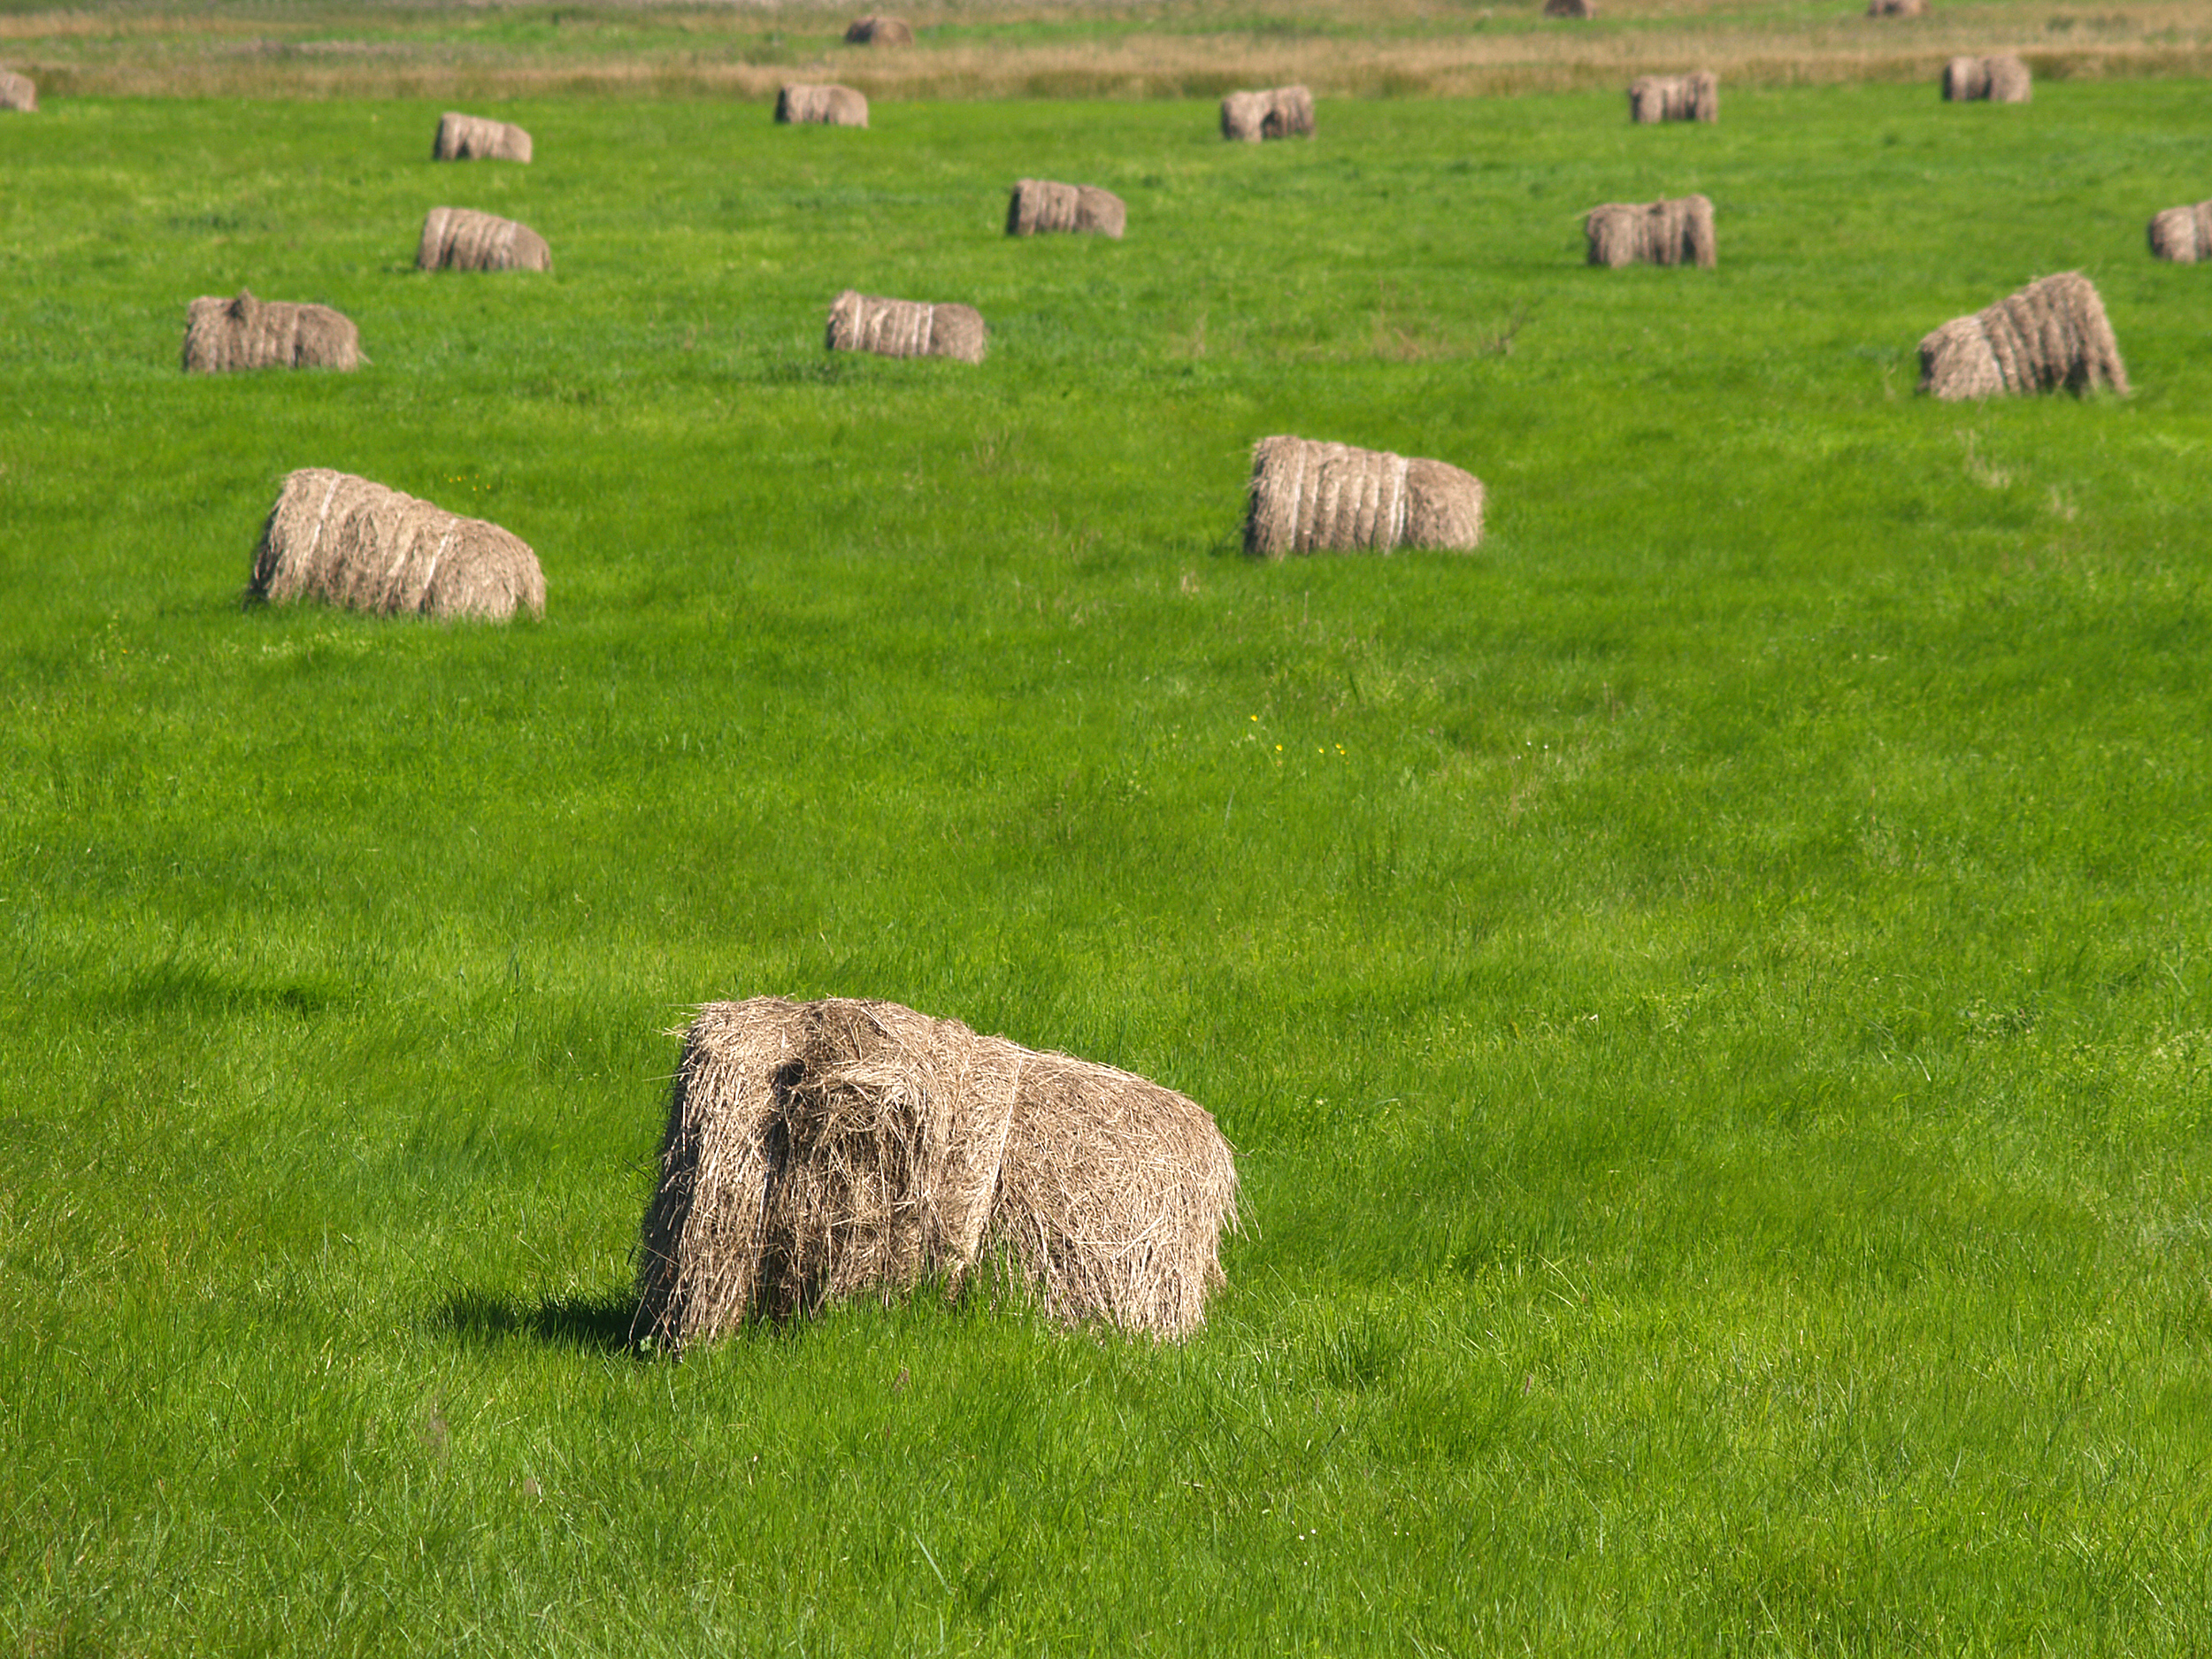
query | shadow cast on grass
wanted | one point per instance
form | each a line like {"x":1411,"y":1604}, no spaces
{"x":600,"y":1324}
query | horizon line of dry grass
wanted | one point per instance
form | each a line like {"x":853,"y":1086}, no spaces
{"x":1367,"y":47}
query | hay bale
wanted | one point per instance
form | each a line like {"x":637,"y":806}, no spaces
{"x":1999,"y":78}
{"x":1896,"y":8}
{"x":477,"y":138}
{"x":18,"y":92}
{"x":1277,"y":112}
{"x":1678,"y":231}
{"x":350,"y":542}
{"x":461,"y":239}
{"x":2051,"y":334}
{"x":905,"y":328}
{"x":821,"y":107}
{"x":1693,"y":98}
{"x":1039,"y":204}
{"x":2183,"y":234}
{"x":873,"y":31}
{"x":819,"y":1150}
{"x":244,"y":333}
{"x":1571,"y":8}
{"x":1309,"y":497}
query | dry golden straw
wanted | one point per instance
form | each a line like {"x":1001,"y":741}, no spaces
{"x":873,"y":31}
{"x":1277,"y":112}
{"x":2001,"y":79}
{"x":905,"y":328}
{"x":1312,"y":497}
{"x":1693,"y":97}
{"x":2051,"y":334}
{"x":478,"y":138}
{"x":820,"y":1150}
{"x":1039,"y":204}
{"x":461,"y":239}
{"x":821,"y":107}
{"x":244,"y":333}
{"x":350,"y":542}
{"x":2183,"y":234}
{"x":1675,"y":232}
{"x":17,"y":92}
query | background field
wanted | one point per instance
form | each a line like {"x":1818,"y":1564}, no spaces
{"x":1710,"y":991}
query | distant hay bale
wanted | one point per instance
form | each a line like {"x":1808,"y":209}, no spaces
{"x":2000,"y":79}
{"x":1571,"y":8}
{"x":815,"y":1151}
{"x":1693,"y":98}
{"x":1896,"y":8}
{"x":358,"y":545}
{"x":905,"y":328}
{"x":478,"y":138}
{"x":1312,"y":497}
{"x":1039,"y":204}
{"x":461,"y":239}
{"x":2051,"y":334}
{"x":1678,"y":231}
{"x":18,"y":92}
{"x":821,"y":107}
{"x":244,"y":333}
{"x":1277,"y":112}
{"x":2183,"y":234}
{"x":874,"y":31}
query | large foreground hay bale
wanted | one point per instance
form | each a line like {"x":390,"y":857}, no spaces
{"x":1571,"y":8}
{"x":818,"y":1150}
{"x":342,"y":539}
{"x":1312,"y":497}
{"x":461,"y":239}
{"x":17,"y":92}
{"x":1276,"y":113}
{"x":905,"y":328}
{"x":1678,"y":231}
{"x":2051,"y":334}
{"x":478,"y":138}
{"x":1999,"y":78}
{"x":874,"y":31}
{"x":1693,"y":97}
{"x":244,"y":333}
{"x":2183,"y":234}
{"x":821,"y":107}
{"x":1040,"y":205}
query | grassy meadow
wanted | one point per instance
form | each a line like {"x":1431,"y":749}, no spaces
{"x":1711,"y":992}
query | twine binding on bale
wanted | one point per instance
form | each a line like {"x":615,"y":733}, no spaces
{"x":18,"y":92}
{"x":461,"y":239}
{"x":2183,"y":234}
{"x":2053,"y":332}
{"x":905,"y":328}
{"x":1314,"y":497}
{"x":244,"y":333}
{"x":1693,"y":98}
{"x":815,"y":1151}
{"x":356,"y":544}
{"x":875,"y":31}
{"x":478,"y":138}
{"x":1039,"y":204}
{"x":1277,"y":112}
{"x":799,"y":105}
{"x":2000,"y":79}
{"x":1678,"y":231}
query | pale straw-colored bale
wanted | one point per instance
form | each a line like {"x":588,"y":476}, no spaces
{"x":478,"y":138}
{"x":2052,"y":334}
{"x":461,"y":239}
{"x":905,"y":328}
{"x":1039,"y":204}
{"x":2001,"y":77}
{"x":2183,"y":234}
{"x":1276,"y":113}
{"x":18,"y":92}
{"x":800,"y":105}
{"x":1315,"y":498}
{"x":875,"y":31}
{"x":1691,"y":97}
{"x":1677,"y":231}
{"x":244,"y":333}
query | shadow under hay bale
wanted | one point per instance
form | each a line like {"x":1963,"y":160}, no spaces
{"x":18,"y":92}
{"x":1277,"y":112}
{"x":1693,"y":97}
{"x":1038,"y":204}
{"x":478,"y":138}
{"x":2183,"y":234}
{"x":1315,"y":498}
{"x":461,"y":239}
{"x":874,"y":31}
{"x":2001,"y":79}
{"x":1678,"y":231}
{"x":815,"y":1151}
{"x":1571,"y":8}
{"x":2051,"y":334}
{"x":905,"y":328}
{"x":821,"y":107}
{"x":244,"y":333}
{"x":343,"y":540}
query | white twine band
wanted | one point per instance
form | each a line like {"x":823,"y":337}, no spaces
{"x":431,"y":569}
{"x":329,"y":495}
{"x":1399,"y":505}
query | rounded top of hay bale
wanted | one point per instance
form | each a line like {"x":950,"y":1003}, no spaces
{"x":879,"y":31}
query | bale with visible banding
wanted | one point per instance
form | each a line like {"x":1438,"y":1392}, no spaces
{"x":1277,"y":112}
{"x":1312,"y":497}
{"x":1038,"y":204}
{"x":352,"y":544}
{"x":244,"y":333}
{"x":874,"y":31}
{"x":2051,"y":334}
{"x":461,"y":239}
{"x":905,"y":328}
{"x":821,"y":107}
{"x":18,"y":92}
{"x":815,"y":1151}
{"x":1693,"y":97}
{"x":478,"y":138}
{"x":1999,"y":78}
{"x":2183,"y":234}
{"x":1678,"y":231}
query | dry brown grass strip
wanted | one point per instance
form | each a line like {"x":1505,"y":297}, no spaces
{"x":1315,"y":498}
{"x":905,"y":328}
{"x":1276,"y":113}
{"x":2052,"y":334}
{"x":244,"y":333}
{"x":2000,"y":78}
{"x":478,"y":138}
{"x":1691,"y":97}
{"x":18,"y":92}
{"x":1039,"y":204}
{"x":1677,"y":231}
{"x":461,"y":239}
{"x":800,"y":105}
{"x":875,"y":31}
{"x":2183,"y":234}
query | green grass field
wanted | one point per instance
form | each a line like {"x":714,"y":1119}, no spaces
{"x":1711,"y":992}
